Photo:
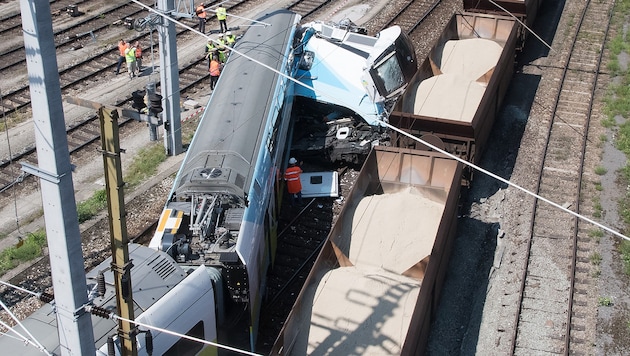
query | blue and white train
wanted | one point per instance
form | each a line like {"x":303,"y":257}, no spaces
{"x":352,"y":81}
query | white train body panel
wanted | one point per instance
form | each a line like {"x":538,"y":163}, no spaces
{"x":361,"y":73}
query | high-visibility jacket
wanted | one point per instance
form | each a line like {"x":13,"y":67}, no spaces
{"x":221,"y":13}
{"x":215,"y":68}
{"x":201,"y":12}
{"x":230,"y":40}
{"x":130,"y":55}
{"x":292,"y":176}
{"x":122,"y":47}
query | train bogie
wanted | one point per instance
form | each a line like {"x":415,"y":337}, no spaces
{"x":372,"y":289}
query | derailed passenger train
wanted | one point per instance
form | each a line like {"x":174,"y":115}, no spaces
{"x":221,"y":212}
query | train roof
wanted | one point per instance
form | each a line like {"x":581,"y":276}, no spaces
{"x":229,"y":136}
{"x":153,"y":275}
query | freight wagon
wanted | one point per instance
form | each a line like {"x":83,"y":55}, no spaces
{"x":455,"y":95}
{"x":375,"y":284}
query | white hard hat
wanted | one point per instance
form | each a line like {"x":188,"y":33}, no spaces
{"x":229,"y":33}
{"x":220,"y":35}
{"x":292,"y":160}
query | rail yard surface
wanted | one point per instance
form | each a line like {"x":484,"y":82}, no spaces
{"x":486,"y":297}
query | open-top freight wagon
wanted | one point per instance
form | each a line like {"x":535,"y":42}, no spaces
{"x":376,"y":282}
{"x":455,"y":95}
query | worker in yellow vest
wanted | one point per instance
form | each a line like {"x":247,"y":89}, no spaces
{"x":230,"y":39}
{"x":130,"y":58}
{"x":210,"y":50}
{"x":222,"y":17}
{"x":222,"y":49}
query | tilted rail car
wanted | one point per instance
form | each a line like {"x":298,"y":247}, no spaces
{"x":222,"y":210}
{"x":374,"y":286}
{"x":352,"y":80}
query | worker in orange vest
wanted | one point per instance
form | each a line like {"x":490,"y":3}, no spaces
{"x":122,"y":46}
{"x":215,"y":71}
{"x":294,"y":184}
{"x":201,"y":14}
{"x":138,"y":56}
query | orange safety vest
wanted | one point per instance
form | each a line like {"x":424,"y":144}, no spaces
{"x":292,"y":176}
{"x":215,"y":68}
{"x":122,"y":48}
{"x":201,"y":12}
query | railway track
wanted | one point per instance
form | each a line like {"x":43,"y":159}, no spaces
{"x":412,"y":14}
{"x":554,"y":302}
{"x":72,"y":37}
{"x":302,"y":233}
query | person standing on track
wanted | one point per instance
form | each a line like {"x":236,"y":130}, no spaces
{"x":222,"y":17}
{"x":122,"y":46}
{"x":138,"y":56}
{"x":215,"y":71}
{"x":209,"y":51}
{"x":130,"y":57}
{"x":294,"y":184}
{"x":201,"y":14}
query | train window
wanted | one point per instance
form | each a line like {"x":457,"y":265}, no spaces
{"x":185,"y":347}
{"x":389,"y":73}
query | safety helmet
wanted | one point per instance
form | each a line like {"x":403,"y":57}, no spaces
{"x":220,"y":35}
{"x":229,"y":33}
{"x":292,"y":160}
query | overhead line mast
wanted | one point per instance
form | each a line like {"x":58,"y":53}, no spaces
{"x":55,"y":173}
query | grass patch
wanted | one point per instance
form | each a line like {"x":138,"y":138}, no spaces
{"x":89,"y":208}
{"x":597,"y":207}
{"x":596,"y":234}
{"x":596,"y":258}
{"x":624,"y":249}
{"x":605,"y":301}
{"x":600,"y":171}
{"x":30,"y":248}
{"x":145,"y":164}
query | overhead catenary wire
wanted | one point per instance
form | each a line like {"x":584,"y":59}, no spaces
{"x":113,"y":316}
{"x":522,"y":24}
{"x":102,"y":313}
{"x":31,"y":339}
